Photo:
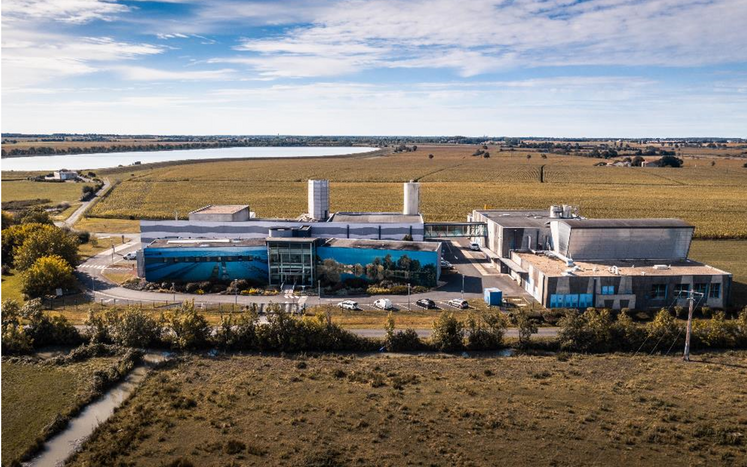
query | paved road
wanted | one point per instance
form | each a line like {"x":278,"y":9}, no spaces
{"x":426,"y":333}
{"x":85,"y":205}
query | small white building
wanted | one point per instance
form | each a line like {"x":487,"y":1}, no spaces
{"x":65,"y":174}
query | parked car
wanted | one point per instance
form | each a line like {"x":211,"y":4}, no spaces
{"x":474,"y":246}
{"x":348,"y":305}
{"x":445,"y":264}
{"x":131,"y":256}
{"x":383,"y":304}
{"x":426,"y":303}
{"x":458,"y":303}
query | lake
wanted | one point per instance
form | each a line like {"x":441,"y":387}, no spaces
{"x":114,"y":159}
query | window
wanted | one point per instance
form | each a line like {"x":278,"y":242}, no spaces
{"x":608,"y":290}
{"x":585,"y":300}
{"x":682,"y":290}
{"x":715,"y":291}
{"x":659,"y":291}
{"x":571,"y":301}
{"x":556,"y":301}
{"x":702,"y":288}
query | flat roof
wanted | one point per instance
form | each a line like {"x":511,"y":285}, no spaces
{"x":221,"y":209}
{"x":626,"y":223}
{"x":554,"y":267}
{"x":376,"y":218}
{"x":381,"y":244}
{"x":204,"y":242}
{"x":517,"y":219}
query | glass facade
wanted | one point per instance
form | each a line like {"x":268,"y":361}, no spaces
{"x":581,"y":301}
{"x":291,"y":262}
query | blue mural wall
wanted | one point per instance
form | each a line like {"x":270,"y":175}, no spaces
{"x":340,"y":263}
{"x":205,"y":264}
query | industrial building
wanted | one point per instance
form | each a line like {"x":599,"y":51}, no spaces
{"x":560,"y":258}
{"x":566,"y":261}
{"x":228,"y":242}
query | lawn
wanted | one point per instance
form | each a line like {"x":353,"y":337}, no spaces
{"x":432,"y":410}
{"x":11,"y":286}
{"x":33,"y":396}
{"x":713,"y":198}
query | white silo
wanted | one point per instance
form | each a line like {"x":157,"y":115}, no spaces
{"x":319,"y":199}
{"x":412,"y":198}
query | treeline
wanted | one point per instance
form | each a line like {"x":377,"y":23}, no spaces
{"x":184,"y":328}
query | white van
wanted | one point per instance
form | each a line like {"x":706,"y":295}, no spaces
{"x":383,"y":303}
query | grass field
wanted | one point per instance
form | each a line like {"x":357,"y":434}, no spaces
{"x":33,"y":395}
{"x":713,"y":198}
{"x":432,"y":410}
{"x":11,"y":286}
{"x":18,"y":190}
{"x":729,"y":255}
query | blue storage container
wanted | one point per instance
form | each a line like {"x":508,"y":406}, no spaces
{"x":493,"y":296}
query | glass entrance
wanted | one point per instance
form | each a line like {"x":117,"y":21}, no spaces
{"x":291,"y":261}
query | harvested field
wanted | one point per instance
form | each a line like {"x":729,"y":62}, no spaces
{"x":432,"y":410}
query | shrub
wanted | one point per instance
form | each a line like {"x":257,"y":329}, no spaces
{"x":448,"y":333}
{"x":664,"y":327}
{"x":47,"y":274}
{"x":44,"y":330}
{"x":485,"y":332}
{"x":133,"y":328}
{"x":400,"y":341}
{"x":237,"y":332}
{"x":15,"y":340}
{"x":189,"y":329}
{"x":84,"y":237}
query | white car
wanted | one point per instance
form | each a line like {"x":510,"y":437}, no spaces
{"x":131,"y":256}
{"x":445,"y":264}
{"x":474,"y":246}
{"x":383,"y":304}
{"x":348,"y":305}
{"x":458,"y":303}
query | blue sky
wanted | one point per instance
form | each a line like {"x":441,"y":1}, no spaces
{"x":623,"y":68}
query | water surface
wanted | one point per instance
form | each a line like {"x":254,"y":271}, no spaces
{"x":115,"y":159}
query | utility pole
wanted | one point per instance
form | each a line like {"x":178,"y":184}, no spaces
{"x":408,"y":297}
{"x":691,"y":299}
{"x":319,"y":285}
{"x":462,"y":286}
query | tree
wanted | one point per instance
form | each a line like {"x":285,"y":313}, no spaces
{"x":526,"y":326}
{"x":448,"y":333}
{"x":50,"y":241}
{"x":670,"y":161}
{"x":47,"y":274}
{"x":12,"y":238}
{"x":430,"y":156}
{"x":133,"y":328}
{"x":189,"y":329}
{"x":637,"y":161}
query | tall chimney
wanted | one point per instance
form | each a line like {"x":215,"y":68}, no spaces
{"x":319,"y":199}
{"x":412,"y":198}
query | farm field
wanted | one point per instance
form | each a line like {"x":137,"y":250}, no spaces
{"x":56,"y":193}
{"x":33,"y":395}
{"x":434,"y":410}
{"x":713,"y":198}
{"x":729,"y":255}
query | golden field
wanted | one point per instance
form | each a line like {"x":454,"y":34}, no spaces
{"x":713,"y":198}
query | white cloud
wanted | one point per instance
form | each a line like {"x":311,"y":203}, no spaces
{"x":31,"y":57}
{"x":68,"y":11}
{"x":488,"y":35}
{"x":139,"y":73}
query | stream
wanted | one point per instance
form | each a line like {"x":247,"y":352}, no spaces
{"x":62,"y":445}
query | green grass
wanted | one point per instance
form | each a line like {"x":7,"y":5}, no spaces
{"x":729,"y":255}
{"x":432,"y":410}
{"x":11,"y":287}
{"x":33,"y":396}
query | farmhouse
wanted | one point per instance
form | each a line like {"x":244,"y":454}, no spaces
{"x":64,"y":175}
